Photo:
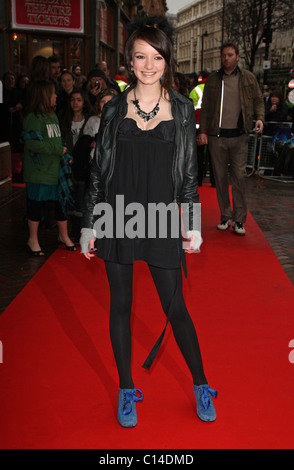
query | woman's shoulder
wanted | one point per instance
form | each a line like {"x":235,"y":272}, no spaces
{"x":32,"y":118}
{"x":175,"y":95}
{"x":115,"y":102}
{"x":115,"y":107}
{"x":182,"y":102}
{"x":92,"y":125}
{"x":92,"y":120}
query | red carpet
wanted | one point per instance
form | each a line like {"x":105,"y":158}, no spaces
{"x":58,"y":377}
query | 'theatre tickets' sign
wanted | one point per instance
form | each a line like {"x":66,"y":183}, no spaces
{"x":52,"y":15}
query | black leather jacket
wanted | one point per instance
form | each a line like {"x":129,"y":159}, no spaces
{"x":185,"y":169}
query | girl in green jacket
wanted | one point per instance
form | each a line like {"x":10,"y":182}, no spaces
{"x":43,"y":150}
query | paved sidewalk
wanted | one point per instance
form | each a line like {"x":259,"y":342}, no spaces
{"x":271,"y":204}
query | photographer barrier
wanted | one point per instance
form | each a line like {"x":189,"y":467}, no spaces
{"x":252,"y":148}
{"x":271,"y":154}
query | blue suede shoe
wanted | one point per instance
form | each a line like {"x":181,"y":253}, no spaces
{"x":127,"y":414}
{"x":205,"y":408}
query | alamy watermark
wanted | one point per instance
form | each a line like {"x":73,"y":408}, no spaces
{"x":152,"y":220}
{"x":1,"y":352}
{"x":291,"y":354}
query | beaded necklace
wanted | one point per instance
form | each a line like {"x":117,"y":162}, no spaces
{"x":142,"y":114}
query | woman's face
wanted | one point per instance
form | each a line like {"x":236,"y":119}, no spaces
{"x":274,"y":100}
{"x":67,"y":82}
{"x":148,"y":64}
{"x":76,"y":102}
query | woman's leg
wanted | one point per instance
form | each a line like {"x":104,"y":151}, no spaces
{"x":168,"y":283}
{"x":63,"y":233}
{"x":34,"y":214}
{"x":120,"y":278}
{"x":62,"y":225}
{"x":33,"y":241}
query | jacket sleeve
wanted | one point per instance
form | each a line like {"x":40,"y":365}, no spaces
{"x":190,"y":196}
{"x":93,"y":194}
{"x":45,"y":147}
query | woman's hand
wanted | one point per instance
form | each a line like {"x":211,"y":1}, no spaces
{"x":92,"y":250}
{"x":202,"y":139}
{"x":194,"y":248}
{"x":95,"y":91}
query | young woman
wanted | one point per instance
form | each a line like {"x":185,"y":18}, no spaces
{"x":146,"y":152}
{"x":73,"y":117}
{"x":83,"y":153}
{"x":72,"y":120}
{"x":276,"y":111}
{"x":275,"y":108}
{"x":43,"y":151}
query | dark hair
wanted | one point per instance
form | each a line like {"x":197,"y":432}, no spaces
{"x":6,"y":74}
{"x":107,"y":92}
{"x":277,"y":93}
{"x":38,"y":99}
{"x":66,"y":114}
{"x":40,"y":68}
{"x":53,"y":59}
{"x":182,"y":84}
{"x":156,"y":38}
{"x":87,"y":105}
{"x":230,"y":44}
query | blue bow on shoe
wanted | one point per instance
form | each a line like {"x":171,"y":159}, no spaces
{"x":129,"y":398}
{"x":205,"y":399}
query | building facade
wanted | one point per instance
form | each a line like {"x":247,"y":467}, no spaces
{"x":199,"y":36}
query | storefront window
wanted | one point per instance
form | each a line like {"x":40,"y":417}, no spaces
{"x":19,"y":53}
{"x":48,"y":47}
{"x":76,"y":52}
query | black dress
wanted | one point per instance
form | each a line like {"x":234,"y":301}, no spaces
{"x":143,"y":174}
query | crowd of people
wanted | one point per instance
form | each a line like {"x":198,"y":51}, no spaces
{"x":16,"y":88}
{"x":74,"y":111}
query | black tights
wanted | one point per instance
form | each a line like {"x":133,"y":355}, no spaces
{"x":120,"y":278}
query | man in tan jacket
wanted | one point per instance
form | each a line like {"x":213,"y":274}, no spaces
{"x":232,"y":100}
